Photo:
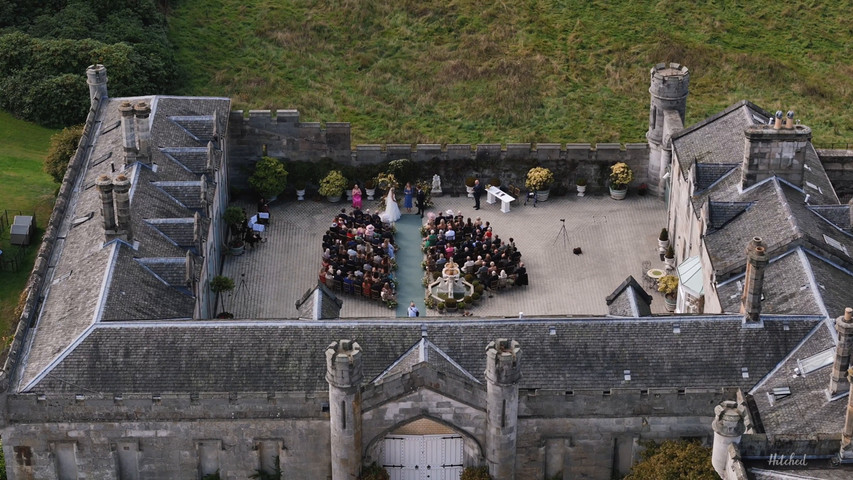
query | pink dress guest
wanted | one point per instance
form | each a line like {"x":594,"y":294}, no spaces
{"x":356,"y":197}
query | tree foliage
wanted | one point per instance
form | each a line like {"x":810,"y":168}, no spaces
{"x":674,"y":460}
{"x":45,"y":49}
{"x":63,"y":144}
{"x":269,"y":178}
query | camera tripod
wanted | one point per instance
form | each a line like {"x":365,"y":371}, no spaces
{"x":563,"y":233}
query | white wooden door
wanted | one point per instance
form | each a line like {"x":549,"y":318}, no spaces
{"x":423,"y":457}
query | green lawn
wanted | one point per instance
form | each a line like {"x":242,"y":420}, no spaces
{"x":470,"y":71}
{"x":25,"y":188}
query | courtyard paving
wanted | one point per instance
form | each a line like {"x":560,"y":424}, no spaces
{"x":615,"y":236}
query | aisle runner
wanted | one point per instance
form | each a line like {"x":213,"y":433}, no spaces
{"x":409,"y":273}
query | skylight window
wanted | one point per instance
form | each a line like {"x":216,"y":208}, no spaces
{"x":627,"y":374}
{"x":744,"y":372}
{"x":835,"y":244}
{"x":816,"y":362}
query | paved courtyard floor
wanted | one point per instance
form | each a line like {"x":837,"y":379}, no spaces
{"x":615,"y":236}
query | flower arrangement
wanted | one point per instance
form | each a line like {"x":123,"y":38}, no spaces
{"x":539,"y":178}
{"x":620,"y":176}
{"x":581,"y":182}
{"x":668,"y":284}
{"x":333,"y":184}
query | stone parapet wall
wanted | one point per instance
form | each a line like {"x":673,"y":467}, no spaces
{"x":283,"y":136}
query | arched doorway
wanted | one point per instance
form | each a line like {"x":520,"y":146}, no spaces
{"x":423,"y":450}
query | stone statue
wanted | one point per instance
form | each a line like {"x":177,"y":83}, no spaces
{"x":436,"y":184}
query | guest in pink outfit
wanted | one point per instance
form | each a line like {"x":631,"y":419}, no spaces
{"x":356,"y":197}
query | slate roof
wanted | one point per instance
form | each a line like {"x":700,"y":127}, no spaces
{"x":718,"y":139}
{"x":92,"y":278}
{"x":288,"y":355}
{"x":629,"y":300}
{"x":807,"y":409}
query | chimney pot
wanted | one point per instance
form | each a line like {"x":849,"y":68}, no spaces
{"x":778,"y":122}
{"x":848,"y":314}
{"x":789,"y":120}
{"x":105,"y":190}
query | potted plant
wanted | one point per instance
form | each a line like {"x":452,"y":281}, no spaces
{"x":332,"y":186}
{"x":476,"y":473}
{"x":663,"y":240}
{"x":620,"y":176}
{"x":539,"y":180}
{"x":461,"y":305}
{"x":269,"y":178}
{"x":221,"y":284}
{"x":233,"y":217}
{"x":374,"y":472}
{"x":668,"y":285}
{"x":581,"y":184}
{"x":669,"y":257}
{"x":642,"y":189}
{"x":475,"y":297}
{"x":370,"y":188}
{"x":441,"y":307}
{"x":495,"y":182}
{"x":451,"y":304}
{"x":469,"y":186}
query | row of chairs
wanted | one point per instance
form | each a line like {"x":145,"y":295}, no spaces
{"x":338,"y":286}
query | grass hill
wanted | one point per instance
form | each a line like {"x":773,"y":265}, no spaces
{"x":530,"y":70}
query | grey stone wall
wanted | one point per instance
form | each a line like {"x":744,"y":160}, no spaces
{"x":285,"y":137}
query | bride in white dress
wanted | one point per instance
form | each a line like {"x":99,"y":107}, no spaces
{"x":392,"y":210}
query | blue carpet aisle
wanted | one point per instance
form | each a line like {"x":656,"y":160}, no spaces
{"x":409,"y":273}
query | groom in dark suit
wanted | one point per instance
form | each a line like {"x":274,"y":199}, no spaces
{"x":421,"y":201}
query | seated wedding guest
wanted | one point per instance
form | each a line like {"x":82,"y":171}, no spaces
{"x":387,"y":293}
{"x":349,"y":283}
{"x":468,"y":267}
{"x":521,"y":275}
{"x":450,"y":234}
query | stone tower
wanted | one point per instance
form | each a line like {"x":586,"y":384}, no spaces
{"x":503,"y":370}
{"x":668,"y":90}
{"x":728,"y":428}
{"x":96,"y":77}
{"x":344,"y":375}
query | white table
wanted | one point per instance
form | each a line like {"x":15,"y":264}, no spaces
{"x":505,"y":198}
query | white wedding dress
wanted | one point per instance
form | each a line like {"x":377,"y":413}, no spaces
{"x":392,"y":210}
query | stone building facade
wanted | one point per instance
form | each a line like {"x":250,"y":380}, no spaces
{"x":118,"y":371}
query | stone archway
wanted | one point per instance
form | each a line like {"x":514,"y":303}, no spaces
{"x":425,"y":448}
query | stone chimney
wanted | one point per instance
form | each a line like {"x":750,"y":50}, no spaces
{"x":96,"y":77}
{"x":844,"y":348}
{"x":756,"y":261}
{"x":121,"y":192}
{"x":503,"y":371}
{"x":128,"y":133}
{"x":777,"y":150}
{"x":728,"y":428}
{"x":143,"y":131}
{"x":846,"y":453}
{"x":344,"y":376}
{"x":105,"y":189}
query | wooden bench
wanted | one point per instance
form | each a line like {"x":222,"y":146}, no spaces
{"x":497,"y":193}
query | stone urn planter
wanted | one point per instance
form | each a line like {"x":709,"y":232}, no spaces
{"x":542,"y":195}
{"x":669,"y":303}
{"x":300,"y":194}
{"x":618,"y":194}
{"x":236,"y":248}
{"x":581,"y":190}
{"x":349,"y":195}
{"x":370,"y":192}
{"x":334,"y":198}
